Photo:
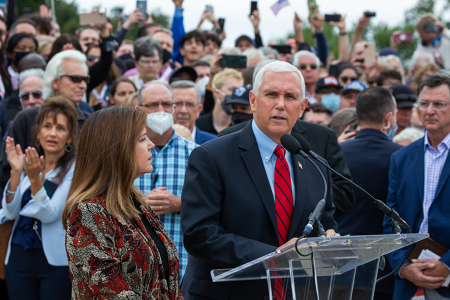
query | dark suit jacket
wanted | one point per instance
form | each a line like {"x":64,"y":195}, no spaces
{"x":406,"y":191}
{"x":323,"y":141}
{"x":228,"y":213}
{"x":203,"y":136}
{"x":368,"y":157}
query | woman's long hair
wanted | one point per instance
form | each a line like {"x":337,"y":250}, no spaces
{"x":52,"y":108}
{"x":105,"y":162}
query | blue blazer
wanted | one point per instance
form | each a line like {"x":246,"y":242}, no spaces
{"x":228,"y":215}
{"x":406,"y":190}
{"x":45,"y":209}
{"x":203,"y":136}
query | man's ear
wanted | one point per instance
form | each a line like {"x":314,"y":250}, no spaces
{"x":55,"y":83}
{"x":199,"y":109}
{"x":182,"y":52}
{"x":303,"y":107}
{"x":252,"y":99}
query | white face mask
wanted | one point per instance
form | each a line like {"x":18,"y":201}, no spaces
{"x":159,"y":122}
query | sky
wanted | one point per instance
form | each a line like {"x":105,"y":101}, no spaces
{"x":272,"y":27}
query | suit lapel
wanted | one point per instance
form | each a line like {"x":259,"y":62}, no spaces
{"x":299,"y":178}
{"x":299,"y":128}
{"x":253,"y":162}
{"x":444,"y":177}
{"x":419,"y":162}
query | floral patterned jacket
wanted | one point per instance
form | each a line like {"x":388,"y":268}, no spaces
{"x":112,"y":259}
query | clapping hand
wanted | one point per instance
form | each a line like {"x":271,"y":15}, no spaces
{"x":33,"y":164}
{"x":14,"y":155}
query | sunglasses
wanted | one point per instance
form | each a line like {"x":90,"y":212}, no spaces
{"x":346,"y":78}
{"x":304,"y":66}
{"x":91,"y":58}
{"x":77,"y":78}
{"x":26,"y":96}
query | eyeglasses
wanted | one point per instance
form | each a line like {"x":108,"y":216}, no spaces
{"x":26,"y":96}
{"x":91,"y":58}
{"x":167,"y":106}
{"x":346,"y":78}
{"x":304,"y":66}
{"x":188,"y":105}
{"x":149,"y":62}
{"x":77,"y":78}
{"x":437,"y":105}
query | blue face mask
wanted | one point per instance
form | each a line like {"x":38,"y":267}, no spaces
{"x":331,"y":101}
{"x":392,"y":132}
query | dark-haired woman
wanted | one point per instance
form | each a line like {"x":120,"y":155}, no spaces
{"x":116,"y":245}
{"x":19,"y":45}
{"x":34,"y":197}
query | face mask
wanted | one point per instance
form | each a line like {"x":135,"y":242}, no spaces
{"x":159,"y":122}
{"x":166,"y":56}
{"x":331,"y":101}
{"x":201,"y":84}
{"x":226,"y":108}
{"x":126,"y":57}
{"x":19,"y":56}
{"x":391,"y":132}
{"x":240,"y":117}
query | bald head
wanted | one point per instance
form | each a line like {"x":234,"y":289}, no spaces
{"x":32,"y":61}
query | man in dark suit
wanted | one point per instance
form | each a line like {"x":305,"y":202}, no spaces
{"x":368,"y":156}
{"x":243,"y":198}
{"x":324,"y":142}
{"x":419,"y":189}
{"x":188,"y":105}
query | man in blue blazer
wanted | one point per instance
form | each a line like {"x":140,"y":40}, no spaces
{"x":419,"y":189}
{"x":230,"y":204}
{"x":188,"y":105}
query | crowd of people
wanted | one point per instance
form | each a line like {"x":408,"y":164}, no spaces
{"x":131,"y":169}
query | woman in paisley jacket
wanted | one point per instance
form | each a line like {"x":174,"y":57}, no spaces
{"x":116,"y":245}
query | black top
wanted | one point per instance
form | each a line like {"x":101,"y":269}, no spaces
{"x":205,"y":123}
{"x":159,"y":244}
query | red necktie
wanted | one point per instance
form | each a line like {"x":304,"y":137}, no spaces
{"x":284,"y":206}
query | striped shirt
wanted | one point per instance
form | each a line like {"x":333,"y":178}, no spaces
{"x":434,"y":163}
{"x":169,"y":167}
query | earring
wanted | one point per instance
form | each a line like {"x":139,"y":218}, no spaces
{"x":68,"y":148}
{"x":38,"y":143}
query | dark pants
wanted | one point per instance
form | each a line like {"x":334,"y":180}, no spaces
{"x":29,"y":276}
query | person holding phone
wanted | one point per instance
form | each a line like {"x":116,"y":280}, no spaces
{"x":434,"y":38}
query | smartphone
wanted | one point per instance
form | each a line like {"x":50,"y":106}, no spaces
{"x":221,"y":23}
{"x":124,"y":18}
{"x":432,"y":28}
{"x":233,"y":61}
{"x":92,"y":18}
{"x":334,"y":70}
{"x":313,"y":8}
{"x":253,"y":6}
{"x":282,"y":49}
{"x":142,"y":6}
{"x":209,"y":8}
{"x":332,"y":18}
{"x":370,"y":14}
{"x":369,"y":54}
{"x":403,"y":37}
{"x":350,"y":130}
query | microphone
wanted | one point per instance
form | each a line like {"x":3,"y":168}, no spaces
{"x":293,"y":146}
{"x":389,"y":212}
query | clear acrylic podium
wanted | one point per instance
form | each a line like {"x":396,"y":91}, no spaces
{"x":327,"y":268}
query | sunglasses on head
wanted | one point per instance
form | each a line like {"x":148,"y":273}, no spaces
{"x":91,"y":58}
{"x":346,"y":78}
{"x":304,"y":66}
{"x":77,"y":78}
{"x":26,"y":96}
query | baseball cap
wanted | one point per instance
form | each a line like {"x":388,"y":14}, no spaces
{"x":178,"y":74}
{"x":354,"y":86}
{"x":329,"y":81}
{"x":240,"y":95}
{"x":388,"y":51}
{"x":404,"y":95}
{"x":244,"y":36}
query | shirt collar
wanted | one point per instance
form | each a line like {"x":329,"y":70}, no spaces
{"x":194,"y":132}
{"x":265,"y":144}
{"x":445,"y":141}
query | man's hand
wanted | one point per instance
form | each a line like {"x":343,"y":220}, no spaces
{"x":290,"y":242}
{"x":178,"y":3}
{"x":317,"y":22}
{"x":298,"y":23}
{"x":340,"y":24}
{"x":415,"y":273}
{"x":163,"y":202}
{"x":393,"y":44}
{"x":331,"y":233}
{"x":135,"y":18}
{"x":255,"y":19}
{"x":102,"y":28}
{"x":363,"y":22}
{"x":439,"y":269}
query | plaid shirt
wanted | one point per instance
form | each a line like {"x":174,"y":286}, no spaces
{"x":169,"y":168}
{"x":434,"y":163}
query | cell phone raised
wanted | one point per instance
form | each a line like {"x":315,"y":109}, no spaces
{"x":332,"y":18}
{"x":403,"y":37}
{"x":92,"y":18}
{"x":253,"y":6}
{"x":209,"y":8}
{"x":221,"y":23}
{"x":234,"y":61}
{"x":313,"y":8}
{"x":370,"y":14}
{"x":142,"y":6}
{"x":282,"y":49}
{"x":369,"y":54}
